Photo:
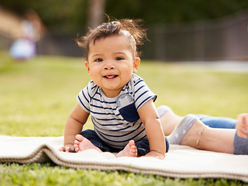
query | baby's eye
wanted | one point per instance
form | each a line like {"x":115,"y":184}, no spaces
{"x":119,"y":58}
{"x":99,"y":60}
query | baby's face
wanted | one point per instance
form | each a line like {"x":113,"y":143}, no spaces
{"x":111,"y":63}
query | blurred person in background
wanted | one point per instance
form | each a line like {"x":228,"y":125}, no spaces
{"x":32,"y":29}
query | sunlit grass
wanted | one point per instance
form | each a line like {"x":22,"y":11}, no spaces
{"x":37,"y":96}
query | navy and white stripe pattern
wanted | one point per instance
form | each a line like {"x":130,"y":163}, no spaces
{"x":116,"y":120}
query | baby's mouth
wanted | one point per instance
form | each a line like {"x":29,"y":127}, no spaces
{"x":110,"y":76}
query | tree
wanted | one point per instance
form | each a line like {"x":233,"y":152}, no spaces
{"x":96,"y":12}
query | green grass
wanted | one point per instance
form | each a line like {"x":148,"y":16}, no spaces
{"x":37,"y":96}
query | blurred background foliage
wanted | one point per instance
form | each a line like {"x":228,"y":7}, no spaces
{"x":74,"y":12}
{"x":188,"y":30}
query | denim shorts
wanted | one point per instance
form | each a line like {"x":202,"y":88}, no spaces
{"x":142,"y":145}
{"x":217,"y":122}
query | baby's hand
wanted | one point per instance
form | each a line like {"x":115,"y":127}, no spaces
{"x":155,"y":154}
{"x":242,"y":125}
{"x":67,"y":148}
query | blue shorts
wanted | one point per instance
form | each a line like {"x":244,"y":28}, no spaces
{"x":142,"y":145}
{"x":217,"y":122}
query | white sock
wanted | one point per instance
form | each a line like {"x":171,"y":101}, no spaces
{"x":162,"y":110}
{"x":181,"y":129}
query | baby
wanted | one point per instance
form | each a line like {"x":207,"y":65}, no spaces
{"x":120,"y":103}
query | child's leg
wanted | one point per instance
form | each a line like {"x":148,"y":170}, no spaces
{"x":200,"y":136}
{"x":88,"y":139}
{"x":181,"y":129}
{"x":143,"y":146}
{"x":81,"y":144}
{"x":168,"y":118}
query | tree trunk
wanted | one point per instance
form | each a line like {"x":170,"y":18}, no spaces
{"x":96,"y":12}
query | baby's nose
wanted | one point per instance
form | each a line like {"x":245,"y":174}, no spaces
{"x":109,"y":65}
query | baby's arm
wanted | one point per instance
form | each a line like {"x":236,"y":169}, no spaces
{"x":74,"y":126}
{"x":153,"y":127}
{"x":242,"y":125}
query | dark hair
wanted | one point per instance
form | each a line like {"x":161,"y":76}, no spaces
{"x":129,"y":27}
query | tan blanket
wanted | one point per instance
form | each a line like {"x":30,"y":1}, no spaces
{"x":180,"y":162}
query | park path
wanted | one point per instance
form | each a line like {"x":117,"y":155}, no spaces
{"x":218,"y":66}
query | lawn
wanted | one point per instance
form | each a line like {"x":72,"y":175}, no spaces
{"x":36,"y":97}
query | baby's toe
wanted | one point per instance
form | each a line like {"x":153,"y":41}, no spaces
{"x":79,"y":137}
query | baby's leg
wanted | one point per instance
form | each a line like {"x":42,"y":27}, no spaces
{"x":130,"y":150}
{"x":168,"y":118}
{"x":81,"y":144}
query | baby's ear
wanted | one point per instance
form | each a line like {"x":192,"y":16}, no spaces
{"x":87,"y":66}
{"x":136,"y":64}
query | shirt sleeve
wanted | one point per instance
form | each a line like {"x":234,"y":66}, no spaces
{"x":142,"y":93}
{"x":84,"y":97}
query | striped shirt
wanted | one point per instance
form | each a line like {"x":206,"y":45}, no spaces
{"x":116,"y":120}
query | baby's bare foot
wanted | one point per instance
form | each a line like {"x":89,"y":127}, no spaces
{"x":81,"y":144}
{"x":130,"y":150}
